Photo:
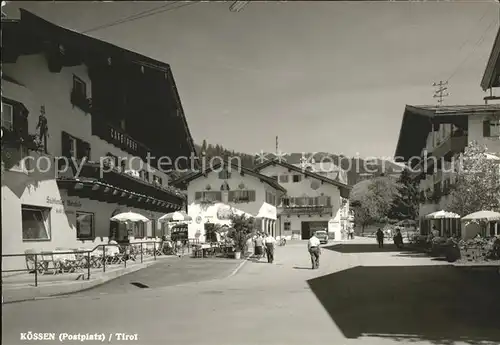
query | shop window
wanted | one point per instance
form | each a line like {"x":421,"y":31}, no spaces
{"x":85,"y":226}
{"x":35,"y":223}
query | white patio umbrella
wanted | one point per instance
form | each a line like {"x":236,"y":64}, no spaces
{"x":486,"y":216}
{"x":129,"y":217}
{"x":442,"y":215}
{"x":482,"y":218}
{"x":178,"y":216}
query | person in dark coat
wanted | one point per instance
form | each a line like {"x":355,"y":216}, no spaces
{"x":380,"y":238}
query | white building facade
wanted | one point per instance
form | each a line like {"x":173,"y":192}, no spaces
{"x":313,"y":201}
{"x":57,"y":191}
{"x":229,"y":184}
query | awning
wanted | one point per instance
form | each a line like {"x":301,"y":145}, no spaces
{"x":267,"y":211}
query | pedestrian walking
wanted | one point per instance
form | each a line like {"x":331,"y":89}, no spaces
{"x":270,"y":243}
{"x":380,"y":238}
{"x":351,"y":232}
{"x":259,"y":244}
{"x":314,"y":250}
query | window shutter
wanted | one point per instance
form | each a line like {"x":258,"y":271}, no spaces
{"x":20,"y":120}
{"x":65,"y":145}
{"x":197,"y":195}
{"x":251,"y":195}
{"x":486,"y":128}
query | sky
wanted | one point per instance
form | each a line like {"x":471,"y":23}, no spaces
{"x":322,"y":76}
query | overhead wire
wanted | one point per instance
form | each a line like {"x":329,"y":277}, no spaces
{"x":143,"y":14}
{"x":476,"y":45}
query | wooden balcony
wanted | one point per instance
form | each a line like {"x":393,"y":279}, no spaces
{"x":450,"y":147}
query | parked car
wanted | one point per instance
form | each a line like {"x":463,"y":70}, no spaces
{"x":322,"y":237}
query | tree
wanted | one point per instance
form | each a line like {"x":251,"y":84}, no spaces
{"x":406,"y":203}
{"x":477,"y":182}
{"x":243,"y":227}
{"x":372,"y":200}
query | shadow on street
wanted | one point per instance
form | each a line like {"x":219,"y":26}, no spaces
{"x":364,"y":248}
{"x":440,"y":304}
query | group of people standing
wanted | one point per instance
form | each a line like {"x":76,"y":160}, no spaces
{"x":264,"y":244}
{"x":398,"y":238}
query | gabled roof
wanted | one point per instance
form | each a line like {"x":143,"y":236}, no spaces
{"x":418,"y":121}
{"x":492,"y":72}
{"x":233,"y":167}
{"x":36,"y":29}
{"x":344,"y":188}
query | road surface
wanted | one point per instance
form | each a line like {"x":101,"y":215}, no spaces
{"x":359,"y":295}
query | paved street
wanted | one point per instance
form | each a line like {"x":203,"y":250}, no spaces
{"x":393,"y":298}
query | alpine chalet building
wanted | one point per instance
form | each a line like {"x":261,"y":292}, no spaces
{"x":110,"y":113}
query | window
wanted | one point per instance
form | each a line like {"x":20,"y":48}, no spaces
{"x":224,"y":175}
{"x":35,"y":223}
{"x":285,"y":202}
{"x":139,"y":230}
{"x":79,"y":88}
{"x":287,"y":226}
{"x":84,"y":226}
{"x":270,"y":198}
{"x":7,"y":116}
{"x":144,"y":175}
{"x":297,"y":178}
{"x":157,"y":180}
{"x":242,"y":196}
{"x":491,"y":128}
{"x":209,"y":196}
{"x":283,"y":178}
{"x":72,"y":147}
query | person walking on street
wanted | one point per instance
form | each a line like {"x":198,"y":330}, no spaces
{"x":270,"y":243}
{"x":314,"y":250}
{"x":259,"y":242}
{"x":380,"y":238}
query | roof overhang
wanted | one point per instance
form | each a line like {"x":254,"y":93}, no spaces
{"x":491,"y":76}
{"x":418,"y":122}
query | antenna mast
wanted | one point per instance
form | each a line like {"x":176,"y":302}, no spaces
{"x":441,"y":91}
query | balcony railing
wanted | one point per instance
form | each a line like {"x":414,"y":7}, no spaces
{"x":454,"y":144}
{"x":305,"y":209}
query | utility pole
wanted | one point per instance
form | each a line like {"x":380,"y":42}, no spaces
{"x":441,"y":91}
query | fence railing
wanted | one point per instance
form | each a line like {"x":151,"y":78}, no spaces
{"x":98,"y":257}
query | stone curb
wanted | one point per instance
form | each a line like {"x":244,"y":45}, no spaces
{"x":30,"y":293}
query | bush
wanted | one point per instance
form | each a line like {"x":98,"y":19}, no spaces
{"x":241,"y":231}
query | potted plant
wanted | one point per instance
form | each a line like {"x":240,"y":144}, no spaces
{"x":241,"y":231}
